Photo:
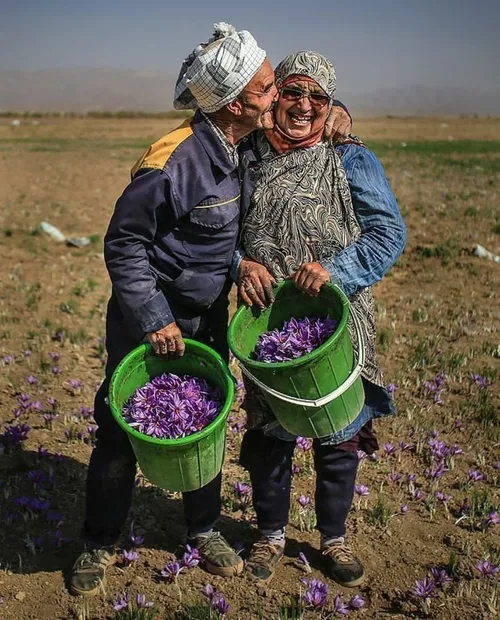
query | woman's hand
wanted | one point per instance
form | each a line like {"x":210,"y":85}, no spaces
{"x":255,"y":284}
{"x":167,"y":341}
{"x":310,"y":278}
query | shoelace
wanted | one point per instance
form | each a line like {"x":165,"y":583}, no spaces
{"x":341,"y":553}
{"x":263,"y":551}
{"x":216,"y":542}
{"x":90,"y":558}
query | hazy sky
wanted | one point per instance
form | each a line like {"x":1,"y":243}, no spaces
{"x":373,"y":43}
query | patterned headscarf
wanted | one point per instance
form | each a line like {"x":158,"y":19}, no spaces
{"x":215,"y":73}
{"x":311,"y":65}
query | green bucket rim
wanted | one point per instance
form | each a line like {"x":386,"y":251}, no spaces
{"x":181,"y":441}
{"x":304,"y":359}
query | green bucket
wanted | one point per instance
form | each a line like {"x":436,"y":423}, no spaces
{"x":187,"y":463}
{"x":315,"y":395}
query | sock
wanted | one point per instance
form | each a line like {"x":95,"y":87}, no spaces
{"x":328,"y":541}
{"x":275,"y":537}
{"x":202,"y":534}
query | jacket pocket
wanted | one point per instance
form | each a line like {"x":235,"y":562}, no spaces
{"x":215,"y":213}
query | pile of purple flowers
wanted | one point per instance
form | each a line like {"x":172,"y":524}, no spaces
{"x":296,"y":338}
{"x":172,"y":406}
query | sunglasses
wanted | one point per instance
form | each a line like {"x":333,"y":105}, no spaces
{"x":317,"y":100}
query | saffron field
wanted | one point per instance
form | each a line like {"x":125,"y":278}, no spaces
{"x":426,"y":515}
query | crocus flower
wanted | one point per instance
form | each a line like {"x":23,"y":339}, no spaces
{"x":296,"y":338}
{"x":304,"y":443}
{"x":32,"y":380}
{"x":356,"y":602}
{"x":424,"y":588}
{"x":8,"y":359}
{"x":130,"y":556}
{"x":391,"y":388}
{"x":362,"y":490}
{"x":339,"y":606}
{"x":121,"y":602}
{"x":141,"y":602}
{"x":492,"y":519}
{"x":316,"y":594}
{"x":171,"y":570}
{"x":389,"y":449}
{"x":475,"y":476}
{"x":305,"y":562}
{"x":304,"y":500}
{"x":191,"y":557}
{"x":241,"y":489}
{"x":219,"y":604}
{"x":440,"y":576}
{"x":486,"y":568}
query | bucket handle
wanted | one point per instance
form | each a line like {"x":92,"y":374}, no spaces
{"x":324,"y":400}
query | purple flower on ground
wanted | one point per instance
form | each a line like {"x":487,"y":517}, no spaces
{"x":141,"y":602}
{"x":395,"y":477}
{"x":458,"y":425}
{"x":32,"y":380}
{"x":316,"y":594}
{"x":208,"y":591}
{"x":403,"y":446}
{"x":52,"y":402}
{"x":404,"y":509}
{"x":54,"y":356}
{"x":356,"y":602}
{"x":417,"y":494}
{"x":391,"y":388}
{"x":440,"y":576}
{"x":171,"y":570}
{"x":441,"y":497}
{"x":475,"y":476}
{"x":219,"y":604}
{"x":56,"y":370}
{"x":339,"y":606}
{"x":130,"y":556}
{"x":486,"y":568}
{"x":295,"y":469}
{"x":483,"y":382}
{"x":135,"y":538}
{"x":492,"y":519}
{"x":241,"y":489}
{"x":191,"y":557}
{"x":305,"y":562}
{"x":424,"y":588}
{"x":304,"y":443}
{"x":8,"y":359}
{"x":14,"y":436}
{"x":389,"y":449}
{"x":362,"y":490}
{"x":121,"y":602}
{"x":304,"y":501}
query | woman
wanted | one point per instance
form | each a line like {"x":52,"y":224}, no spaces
{"x":303,"y":224}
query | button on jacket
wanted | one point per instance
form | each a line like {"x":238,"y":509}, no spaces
{"x":174,"y":229}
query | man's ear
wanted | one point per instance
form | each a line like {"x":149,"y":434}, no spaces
{"x":235,"y":107}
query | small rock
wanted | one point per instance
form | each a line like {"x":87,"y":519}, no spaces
{"x":20,"y":596}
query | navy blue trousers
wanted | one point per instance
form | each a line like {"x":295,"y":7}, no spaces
{"x":112,"y":467}
{"x":269,"y":463}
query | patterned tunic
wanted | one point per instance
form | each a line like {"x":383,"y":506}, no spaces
{"x":302,"y":212}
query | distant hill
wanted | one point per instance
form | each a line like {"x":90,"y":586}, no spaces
{"x":111,"y":90}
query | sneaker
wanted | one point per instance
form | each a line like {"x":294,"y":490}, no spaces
{"x":344,"y":567}
{"x":88,"y":572}
{"x":217,"y":555}
{"x":263,"y":559}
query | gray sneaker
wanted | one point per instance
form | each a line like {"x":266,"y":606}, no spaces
{"x":263,"y":559}
{"x":217,"y":555}
{"x":88,"y":572}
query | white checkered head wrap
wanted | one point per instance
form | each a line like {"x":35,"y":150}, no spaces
{"x":216,"y":72}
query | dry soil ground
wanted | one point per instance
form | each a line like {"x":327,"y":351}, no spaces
{"x":437,"y":312}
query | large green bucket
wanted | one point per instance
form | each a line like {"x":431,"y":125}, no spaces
{"x":187,"y":463}
{"x":315,"y":395}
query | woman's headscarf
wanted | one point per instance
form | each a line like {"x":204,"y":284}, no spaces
{"x":308,"y":65}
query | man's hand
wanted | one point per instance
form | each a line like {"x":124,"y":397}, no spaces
{"x":167,"y":341}
{"x":338,"y":124}
{"x":255,"y":284}
{"x":310,"y":278}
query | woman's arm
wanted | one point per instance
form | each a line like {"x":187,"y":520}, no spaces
{"x":383,"y":232}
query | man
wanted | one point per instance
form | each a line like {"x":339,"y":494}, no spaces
{"x":168,"y":250}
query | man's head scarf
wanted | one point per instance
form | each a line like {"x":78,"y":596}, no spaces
{"x":215,"y":73}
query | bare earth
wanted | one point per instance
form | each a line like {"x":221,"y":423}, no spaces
{"x":437,"y":311}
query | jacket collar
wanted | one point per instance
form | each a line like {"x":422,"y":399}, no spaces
{"x":211,"y":143}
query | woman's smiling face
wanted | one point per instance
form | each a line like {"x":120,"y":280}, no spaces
{"x":299,"y":116}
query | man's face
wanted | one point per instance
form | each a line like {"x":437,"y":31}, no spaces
{"x":257,"y":99}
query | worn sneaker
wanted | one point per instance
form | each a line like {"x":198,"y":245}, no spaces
{"x":88,"y":572}
{"x":343,"y":565}
{"x":263,"y":559}
{"x":217,"y":555}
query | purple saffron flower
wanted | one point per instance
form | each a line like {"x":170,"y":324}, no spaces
{"x":208,"y":591}
{"x":404,"y":509}
{"x":191,"y":558}
{"x":8,"y":359}
{"x":295,"y":469}
{"x":121,"y":602}
{"x":475,"y":476}
{"x":424,"y":588}
{"x":171,"y":570}
{"x":141,"y":602}
{"x":440,"y":576}
{"x":486,"y":568}
{"x":135,"y":538}
{"x":32,"y":380}
{"x":362,"y":490}
{"x":13,"y":436}
{"x":395,"y":477}
{"x":483,"y":382}
{"x":304,"y":500}
{"x":305,"y":562}
{"x":441,"y":497}
{"x":356,"y":602}
{"x":339,"y":606}
{"x":130,"y":556}
{"x":316,"y":594}
{"x":492,"y":519}
{"x":219,"y":604}
{"x":241,"y":489}
{"x":391,"y":388}
{"x":304,"y":443}
{"x":389,"y":449}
